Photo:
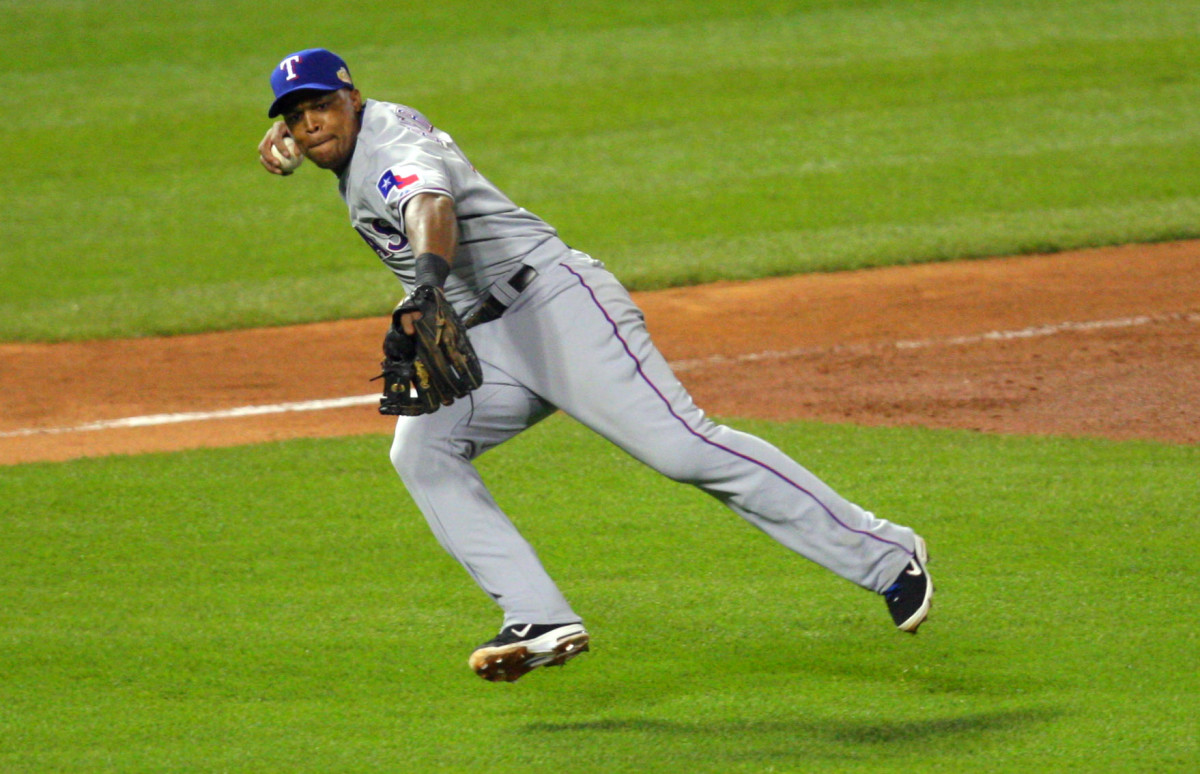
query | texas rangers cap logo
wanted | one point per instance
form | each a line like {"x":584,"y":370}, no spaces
{"x":317,"y":69}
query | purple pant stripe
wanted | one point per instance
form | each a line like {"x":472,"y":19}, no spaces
{"x":714,"y":444}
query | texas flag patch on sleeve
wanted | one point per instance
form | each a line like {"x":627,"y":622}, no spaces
{"x":395,"y":180}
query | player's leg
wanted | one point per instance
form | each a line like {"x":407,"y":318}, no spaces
{"x":594,"y":359}
{"x":433,"y":453}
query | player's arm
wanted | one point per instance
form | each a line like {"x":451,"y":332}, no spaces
{"x":431,"y":225}
{"x":273,"y":137}
{"x":432,"y":230}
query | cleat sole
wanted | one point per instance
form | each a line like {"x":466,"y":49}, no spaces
{"x":509,"y":663}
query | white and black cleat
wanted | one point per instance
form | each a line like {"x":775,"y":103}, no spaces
{"x":521,"y":648}
{"x":911,"y":595}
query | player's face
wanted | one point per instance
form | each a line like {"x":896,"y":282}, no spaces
{"x":326,"y":126}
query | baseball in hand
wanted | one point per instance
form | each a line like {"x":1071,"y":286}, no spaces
{"x":289,"y":164}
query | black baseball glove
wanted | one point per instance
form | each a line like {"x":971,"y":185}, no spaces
{"x":423,"y":372}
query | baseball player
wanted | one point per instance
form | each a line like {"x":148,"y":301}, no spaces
{"x":553,"y":329}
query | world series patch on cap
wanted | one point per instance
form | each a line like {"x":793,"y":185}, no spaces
{"x":317,"y":69}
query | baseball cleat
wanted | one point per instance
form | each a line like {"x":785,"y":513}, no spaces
{"x":911,"y":596}
{"x":523,"y":647}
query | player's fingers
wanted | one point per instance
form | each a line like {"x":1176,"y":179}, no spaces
{"x":266,"y":158}
{"x":271,"y":164}
{"x":274,"y":138}
{"x":279,"y":138}
{"x":268,"y":139}
{"x":406,"y":322}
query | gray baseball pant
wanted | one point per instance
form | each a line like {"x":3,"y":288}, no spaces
{"x":574,"y":340}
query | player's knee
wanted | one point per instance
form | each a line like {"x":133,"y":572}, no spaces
{"x":675,"y":466}
{"x":408,"y":452}
{"x":416,"y":454}
{"x":692,"y":461}
{"x":402,"y":460}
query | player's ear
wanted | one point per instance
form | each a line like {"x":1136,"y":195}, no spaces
{"x":356,"y":99}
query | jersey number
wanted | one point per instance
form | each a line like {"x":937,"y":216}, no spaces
{"x":384,"y":238}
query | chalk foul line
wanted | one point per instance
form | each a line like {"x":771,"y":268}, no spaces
{"x":152,"y":420}
{"x":1031,"y":332}
{"x":1037,"y":331}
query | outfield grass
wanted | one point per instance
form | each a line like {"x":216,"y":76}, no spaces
{"x":284,"y":608}
{"x":679,"y":142}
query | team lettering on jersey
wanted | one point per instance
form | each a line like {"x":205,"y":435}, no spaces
{"x":384,"y":238}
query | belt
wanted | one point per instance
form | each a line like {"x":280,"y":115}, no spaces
{"x":498,"y":300}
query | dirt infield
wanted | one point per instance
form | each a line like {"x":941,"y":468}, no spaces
{"x":1098,"y":343}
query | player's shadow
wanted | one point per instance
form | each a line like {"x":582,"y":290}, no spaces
{"x":905,"y":732}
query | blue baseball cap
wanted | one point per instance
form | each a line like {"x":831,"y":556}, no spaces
{"x":313,"y":68}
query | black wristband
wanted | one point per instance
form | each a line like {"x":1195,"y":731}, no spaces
{"x":432,"y":269}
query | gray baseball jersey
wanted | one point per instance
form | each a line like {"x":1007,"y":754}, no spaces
{"x":572,"y":339}
{"x":400,"y":154}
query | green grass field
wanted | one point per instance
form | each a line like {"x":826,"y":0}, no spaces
{"x":285,"y":608}
{"x":678,"y":142}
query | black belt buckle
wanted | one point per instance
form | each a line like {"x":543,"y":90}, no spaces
{"x":492,"y":308}
{"x":522,"y":278}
